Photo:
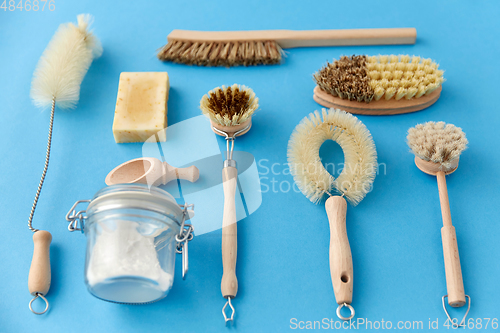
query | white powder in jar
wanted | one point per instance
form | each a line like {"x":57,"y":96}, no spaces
{"x":125,"y":252}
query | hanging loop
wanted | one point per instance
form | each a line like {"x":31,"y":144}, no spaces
{"x":233,"y":311}
{"x":37,"y":295}
{"x":462,"y":322}
{"x":350,"y":309}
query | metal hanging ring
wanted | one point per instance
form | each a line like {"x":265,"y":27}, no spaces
{"x":350,"y":309}
{"x":232,"y":310}
{"x":462,"y":322}
{"x":46,"y":304}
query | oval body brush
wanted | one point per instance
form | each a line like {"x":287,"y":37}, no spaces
{"x":437,"y":148}
{"x":56,"y":82}
{"x":378,"y":85}
{"x":230,"y":110}
{"x":353,"y":183}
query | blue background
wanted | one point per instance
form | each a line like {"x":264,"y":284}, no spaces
{"x":283,"y":247}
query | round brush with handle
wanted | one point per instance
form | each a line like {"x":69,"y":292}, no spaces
{"x":437,"y":147}
{"x":353,"y":184}
{"x":230,"y":110}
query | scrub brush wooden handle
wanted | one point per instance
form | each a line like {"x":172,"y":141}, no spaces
{"x":340,"y":252}
{"x":229,"y":284}
{"x":437,"y":147}
{"x":297,"y":38}
{"x":454,"y":280}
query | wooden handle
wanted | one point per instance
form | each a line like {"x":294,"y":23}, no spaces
{"x":443,"y":199}
{"x":381,"y":107}
{"x":229,"y":284}
{"x":190,"y":173}
{"x":293,"y":38}
{"x":39,"y":276}
{"x":340,"y":251}
{"x":454,"y":281}
{"x":170,"y":173}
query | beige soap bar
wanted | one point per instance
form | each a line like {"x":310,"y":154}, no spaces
{"x":141,"y":106}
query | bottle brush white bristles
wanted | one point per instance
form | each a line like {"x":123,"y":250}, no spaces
{"x":64,"y":63}
{"x":360,"y":156}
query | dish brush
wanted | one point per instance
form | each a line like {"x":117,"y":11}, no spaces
{"x":234,"y":48}
{"x":353,"y":183}
{"x":437,"y":147}
{"x":230,"y":111}
{"x":379,"y":85}
{"x":56,"y":82}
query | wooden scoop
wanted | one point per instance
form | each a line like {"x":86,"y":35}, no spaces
{"x":151,"y":171}
{"x":454,"y":281}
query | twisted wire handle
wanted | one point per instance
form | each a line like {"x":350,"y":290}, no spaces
{"x":46,"y":166}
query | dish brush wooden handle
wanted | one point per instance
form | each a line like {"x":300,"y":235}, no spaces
{"x":229,"y":284}
{"x":39,"y":276}
{"x":454,"y":280}
{"x":296,"y":38}
{"x":340,"y":251}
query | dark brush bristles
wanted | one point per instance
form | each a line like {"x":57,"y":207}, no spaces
{"x":346,"y":78}
{"x":228,"y":103}
{"x":222,"y":53}
{"x":229,"y":106}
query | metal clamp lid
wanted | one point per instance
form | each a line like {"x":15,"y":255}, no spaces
{"x":74,"y":217}
{"x":185,"y":235}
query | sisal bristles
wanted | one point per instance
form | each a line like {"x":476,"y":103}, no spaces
{"x":229,"y":106}
{"x":222,"y":53}
{"x":64,"y":63}
{"x":437,"y":142}
{"x":346,"y":78}
{"x":360,"y":156}
{"x":367,"y":78}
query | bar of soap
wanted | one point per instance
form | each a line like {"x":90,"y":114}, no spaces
{"x":141,"y":107}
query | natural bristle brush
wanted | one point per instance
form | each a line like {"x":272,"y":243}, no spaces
{"x":437,"y":147}
{"x":355,"y":181}
{"x":378,"y":85}
{"x":235,"y":48}
{"x":230,"y":110}
{"x":56,"y":82}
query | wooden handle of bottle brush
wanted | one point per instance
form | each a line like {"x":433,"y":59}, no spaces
{"x":229,"y":284}
{"x":340,"y":252}
{"x":39,"y":276}
{"x":454,"y":281}
{"x":303,"y":38}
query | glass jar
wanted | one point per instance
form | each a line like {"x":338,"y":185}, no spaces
{"x":131,"y":234}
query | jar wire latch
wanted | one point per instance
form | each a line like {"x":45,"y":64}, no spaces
{"x":185,"y":235}
{"x":77,"y":219}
